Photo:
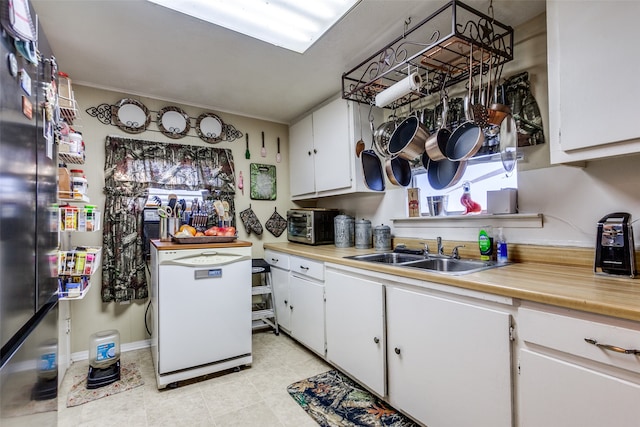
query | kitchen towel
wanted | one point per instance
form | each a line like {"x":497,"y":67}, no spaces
{"x":251,"y":221}
{"x":276,"y":224}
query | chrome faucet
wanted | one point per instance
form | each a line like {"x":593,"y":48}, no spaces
{"x":454,"y":252}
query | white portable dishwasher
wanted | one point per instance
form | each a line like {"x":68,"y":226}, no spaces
{"x":201,"y":309}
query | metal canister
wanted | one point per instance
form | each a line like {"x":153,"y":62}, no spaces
{"x":382,"y":238}
{"x":344,"y":231}
{"x":363,"y":234}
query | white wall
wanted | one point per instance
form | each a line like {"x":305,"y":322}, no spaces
{"x":572,"y":199}
{"x":90,"y":314}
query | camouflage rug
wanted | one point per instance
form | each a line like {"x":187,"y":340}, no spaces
{"x":333,"y":399}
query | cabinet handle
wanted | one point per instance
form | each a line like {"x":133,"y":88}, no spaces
{"x":286,"y":302}
{"x":397,"y":350}
{"x":315,"y":151}
{"x":376,"y":340}
{"x":274,"y":260}
{"x":309,"y":153}
{"x":290,"y":307}
{"x":302,"y":267}
{"x":611,"y":347}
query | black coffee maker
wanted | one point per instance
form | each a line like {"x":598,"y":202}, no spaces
{"x":615,"y":251}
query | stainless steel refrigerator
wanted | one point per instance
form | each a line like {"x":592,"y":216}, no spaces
{"x":28,"y":239}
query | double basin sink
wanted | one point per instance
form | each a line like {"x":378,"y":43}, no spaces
{"x":439,"y":264}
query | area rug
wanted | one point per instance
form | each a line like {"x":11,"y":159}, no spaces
{"x":333,"y":399}
{"x":130,"y":378}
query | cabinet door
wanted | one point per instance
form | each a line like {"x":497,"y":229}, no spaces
{"x":585,"y":39}
{"x":554,"y":392}
{"x":307,"y":312}
{"x":355,"y":327}
{"x":449,"y":363}
{"x":280,"y":280}
{"x":301,"y":157}
{"x":331,"y":142}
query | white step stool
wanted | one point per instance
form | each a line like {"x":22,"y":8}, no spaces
{"x":263,"y":312}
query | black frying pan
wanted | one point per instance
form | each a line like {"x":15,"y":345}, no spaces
{"x":443,"y":173}
{"x":372,"y":166}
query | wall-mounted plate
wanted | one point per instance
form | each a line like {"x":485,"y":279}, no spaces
{"x":131,"y":116}
{"x":209,"y":128}
{"x":173,"y":122}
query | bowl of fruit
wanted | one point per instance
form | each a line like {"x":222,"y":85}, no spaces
{"x":215,"y":234}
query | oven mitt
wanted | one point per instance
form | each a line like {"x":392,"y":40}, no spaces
{"x":276,"y":224}
{"x":251,"y":221}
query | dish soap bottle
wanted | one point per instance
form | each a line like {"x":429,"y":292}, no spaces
{"x":485,"y":243}
{"x":501,"y":252}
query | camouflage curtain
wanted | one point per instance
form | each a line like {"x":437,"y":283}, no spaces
{"x":131,"y":167}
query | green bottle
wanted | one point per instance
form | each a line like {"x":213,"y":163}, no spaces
{"x":485,"y":243}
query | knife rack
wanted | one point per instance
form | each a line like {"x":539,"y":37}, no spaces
{"x":439,"y":49}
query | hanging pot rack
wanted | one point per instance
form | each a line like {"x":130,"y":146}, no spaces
{"x":439,"y":49}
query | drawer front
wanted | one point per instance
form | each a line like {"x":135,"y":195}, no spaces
{"x":307,"y":267}
{"x":567,"y":334}
{"x":277,"y":259}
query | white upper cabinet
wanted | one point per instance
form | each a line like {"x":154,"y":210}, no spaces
{"x":322,"y":150}
{"x":593,"y":60}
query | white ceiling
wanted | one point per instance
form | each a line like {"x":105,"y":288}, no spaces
{"x":143,"y":49}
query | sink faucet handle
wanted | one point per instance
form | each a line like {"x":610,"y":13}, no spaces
{"x":454,"y":252}
{"x":426,"y":248}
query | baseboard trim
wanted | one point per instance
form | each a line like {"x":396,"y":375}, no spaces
{"x":131,"y":346}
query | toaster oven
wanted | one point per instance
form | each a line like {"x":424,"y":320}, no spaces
{"x":312,"y":226}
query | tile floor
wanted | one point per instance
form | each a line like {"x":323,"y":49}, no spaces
{"x":255,"y":396}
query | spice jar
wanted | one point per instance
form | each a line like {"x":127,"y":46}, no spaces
{"x":363,"y":234}
{"x":382,"y":238}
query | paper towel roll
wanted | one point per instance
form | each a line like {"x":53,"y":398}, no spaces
{"x":410,"y":83}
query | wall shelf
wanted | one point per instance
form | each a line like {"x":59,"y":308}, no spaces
{"x":520,"y":220}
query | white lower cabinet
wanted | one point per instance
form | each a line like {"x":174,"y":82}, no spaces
{"x":306,"y":303}
{"x":307,"y":312}
{"x":564,"y":380}
{"x":448,"y":362}
{"x":279,"y":263}
{"x":355,"y":327}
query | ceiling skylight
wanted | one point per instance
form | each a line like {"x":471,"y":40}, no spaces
{"x":291,"y":24}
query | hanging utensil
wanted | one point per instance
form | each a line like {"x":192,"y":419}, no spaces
{"x":480,"y":113}
{"x":360,"y":143}
{"x":278,"y":155}
{"x":263,"y":150}
{"x":247,"y":154}
{"x":241,"y":182}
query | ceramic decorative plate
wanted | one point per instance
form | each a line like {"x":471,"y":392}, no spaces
{"x":209,"y":128}
{"x":263,"y":181}
{"x":173,"y":122}
{"x":130,"y":115}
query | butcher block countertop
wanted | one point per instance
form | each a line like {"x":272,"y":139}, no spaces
{"x":568,"y":286}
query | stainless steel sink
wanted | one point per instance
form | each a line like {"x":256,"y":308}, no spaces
{"x":388,"y":257}
{"x":450,"y":266}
